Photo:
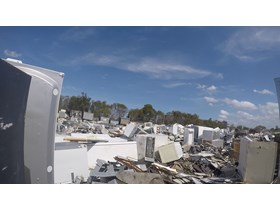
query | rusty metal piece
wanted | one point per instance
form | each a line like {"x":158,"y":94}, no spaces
{"x":164,"y":169}
{"x":129,"y":163}
{"x":178,"y":166}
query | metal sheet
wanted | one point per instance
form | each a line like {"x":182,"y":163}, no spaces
{"x":70,"y":159}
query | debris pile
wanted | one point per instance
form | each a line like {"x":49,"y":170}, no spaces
{"x":145,"y":153}
{"x":203,"y":164}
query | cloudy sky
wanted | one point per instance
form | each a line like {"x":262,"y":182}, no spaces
{"x":223,"y":73}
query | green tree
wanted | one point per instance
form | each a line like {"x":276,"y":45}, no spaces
{"x":145,"y":114}
{"x":80,"y":103}
{"x":73,"y":103}
{"x":259,"y":128}
{"x":224,"y":124}
{"x":149,"y":113}
{"x":208,"y":123}
{"x":169,"y":118}
{"x":159,"y":117}
{"x":100,"y":109}
{"x":178,"y":117}
{"x":118,"y":110}
{"x":191,"y":119}
{"x":135,"y":115}
{"x":84,"y":103}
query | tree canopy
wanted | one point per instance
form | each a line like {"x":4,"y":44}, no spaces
{"x":147,"y":113}
{"x":100,"y":109}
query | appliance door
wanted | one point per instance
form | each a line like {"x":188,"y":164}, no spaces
{"x":40,"y":122}
{"x":14,"y":89}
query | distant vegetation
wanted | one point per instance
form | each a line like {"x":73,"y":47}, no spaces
{"x":84,"y":103}
{"x":147,"y":113}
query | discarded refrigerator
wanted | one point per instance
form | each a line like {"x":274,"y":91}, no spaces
{"x":257,"y":161}
{"x":170,"y":152}
{"x":146,"y":148}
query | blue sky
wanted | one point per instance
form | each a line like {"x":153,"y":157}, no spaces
{"x":223,"y":73}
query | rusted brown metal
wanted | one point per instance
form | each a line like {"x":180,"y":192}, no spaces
{"x":129,"y":163}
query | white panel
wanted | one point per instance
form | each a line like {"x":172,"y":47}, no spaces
{"x":210,"y":135}
{"x":160,"y":139}
{"x":257,"y":161}
{"x":88,"y":116}
{"x":107,"y":151}
{"x":188,"y":136}
{"x":70,"y":160}
{"x":170,"y":152}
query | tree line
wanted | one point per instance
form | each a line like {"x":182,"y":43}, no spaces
{"x":99,"y":108}
{"x":147,"y":113}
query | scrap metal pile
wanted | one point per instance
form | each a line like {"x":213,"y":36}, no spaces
{"x":202,"y":164}
{"x":146,"y":153}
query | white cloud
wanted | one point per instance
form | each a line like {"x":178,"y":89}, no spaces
{"x":266,"y":115}
{"x":77,"y":33}
{"x":223,"y":112}
{"x":245,"y":115}
{"x":253,"y":43}
{"x":165,"y":70}
{"x":246,"y":119}
{"x":155,"y":68}
{"x":250,"y":120}
{"x":203,"y":87}
{"x":11,"y":53}
{"x":223,"y":115}
{"x":174,"y":85}
{"x":212,"y":89}
{"x":270,"y":109}
{"x":210,"y":100}
{"x":264,"y":92}
{"x":240,"y":104}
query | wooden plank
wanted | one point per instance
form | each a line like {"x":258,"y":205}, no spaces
{"x":87,"y":138}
